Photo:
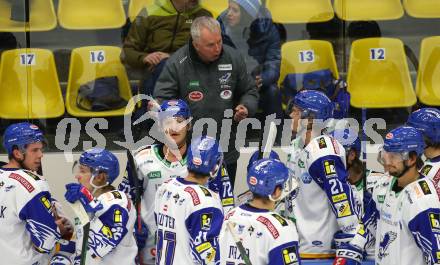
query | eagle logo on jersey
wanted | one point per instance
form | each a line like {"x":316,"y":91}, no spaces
{"x":44,"y":235}
{"x":386,"y":241}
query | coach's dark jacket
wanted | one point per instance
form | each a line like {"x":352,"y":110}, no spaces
{"x":210,"y":88}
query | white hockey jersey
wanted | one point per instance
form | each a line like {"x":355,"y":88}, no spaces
{"x":324,"y":203}
{"x":189,"y":218}
{"x":153,"y":170}
{"x":405,"y":223}
{"x":111,"y":240}
{"x":27,"y":226}
{"x":431,"y":169}
{"x":267,"y":237}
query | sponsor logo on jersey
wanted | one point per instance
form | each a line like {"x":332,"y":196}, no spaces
{"x":226,"y":94}
{"x":425,"y":187}
{"x":321,"y":143}
{"x":206,"y":221}
{"x":361,"y":230}
{"x":26,"y":184}
{"x":195,"y":96}
{"x":306,"y":178}
{"x":32,"y":175}
{"x":389,"y":136}
{"x":206,"y":192}
{"x":225,"y":67}
{"x":46,"y":203}
{"x":106,"y":231}
{"x":194,"y":196}
{"x":290,"y":256}
{"x":339,"y":197}
{"x":425,"y":170}
{"x":436,"y":178}
{"x":335,"y":146}
{"x":380,"y":198}
{"x":117,"y":195}
{"x":329,"y":167}
{"x":343,"y":209}
{"x":117,"y":216}
{"x":385,"y":242}
{"x":154,"y":175}
{"x":228,"y":201}
{"x":280,"y":219}
{"x":272,"y":229}
{"x":301,"y":163}
{"x":434,"y":220}
{"x":317,"y":243}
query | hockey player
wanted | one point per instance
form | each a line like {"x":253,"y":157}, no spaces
{"x":324,"y":203}
{"x":157,"y":164}
{"x":427,"y":120}
{"x":266,"y":237}
{"x":111,"y":239}
{"x":30,"y":224}
{"x":405,"y":217}
{"x":188,"y":214}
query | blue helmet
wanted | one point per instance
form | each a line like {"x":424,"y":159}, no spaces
{"x":348,"y":138}
{"x":427,"y":120}
{"x":265,"y":175}
{"x":21,"y":134}
{"x":404,"y":139}
{"x":174,"y":108}
{"x":254,"y":157}
{"x":101,"y":160}
{"x":204,"y":156}
{"x":314,"y":104}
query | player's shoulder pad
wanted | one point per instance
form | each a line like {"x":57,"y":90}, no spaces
{"x":421,"y":190}
{"x":113,"y":197}
{"x":324,"y":145}
{"x":29,"y":181}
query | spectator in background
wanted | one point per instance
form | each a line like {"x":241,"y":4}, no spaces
{"x":248,"y":26}
{"x":152,"y":39}
{"x":212,"y":78}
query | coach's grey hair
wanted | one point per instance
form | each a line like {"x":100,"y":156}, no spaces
{"x":209,"y":23}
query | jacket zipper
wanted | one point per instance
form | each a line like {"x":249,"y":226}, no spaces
{"x":174,"y":32}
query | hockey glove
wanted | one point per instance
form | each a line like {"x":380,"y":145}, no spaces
{"x":62,"y":257}
{"x":345,"y":252}
{"x":141,"y":236}
{"x":75,"y":192}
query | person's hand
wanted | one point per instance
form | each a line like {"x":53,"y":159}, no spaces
{"x":241,"y":112}
{"x":77,"y":192}
{"x":154,"y":58}
{"x":64,"y":224}
{"x":258,"y":82}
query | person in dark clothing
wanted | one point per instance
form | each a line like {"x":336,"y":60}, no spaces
{"x":212,"y":78}
{"x":248,"y":27}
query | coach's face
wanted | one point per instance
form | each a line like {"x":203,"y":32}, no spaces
{"x":209,"y":45}
{"x":182,"y":5}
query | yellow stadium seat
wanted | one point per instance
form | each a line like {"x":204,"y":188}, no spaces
{"x":306,"y":56}
{"x":88,"y":64}
{"x":91,"y":14}
{"x":136,"y":6}
{"x":422,"y":8}
{"x":29,"y":85}
{"x":42,"y":17}
{"x":378,"y":75}
{"x":216,"y":7}
{"x":300,"y":11}
{"x":428,"y":79}
{"x":368,"y":9}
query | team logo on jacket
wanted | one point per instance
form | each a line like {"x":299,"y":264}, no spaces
{"x":290,"y":255}
{"x":224,"y":79}
{"x":385,"y":242}
{"x":225,"y":67}
{"x":195,"y":96}
{"x":226,"y":94}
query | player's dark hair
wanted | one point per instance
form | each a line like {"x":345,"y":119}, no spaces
{"x":419,"y":161}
